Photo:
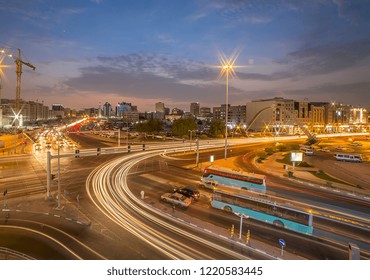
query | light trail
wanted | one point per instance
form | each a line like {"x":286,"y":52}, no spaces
{"x":116,"y":201}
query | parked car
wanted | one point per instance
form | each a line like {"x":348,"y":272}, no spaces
{"x":176,"y":199}
{"x":189,"y":192}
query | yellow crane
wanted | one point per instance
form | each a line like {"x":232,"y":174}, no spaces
{"x":19,"y":62}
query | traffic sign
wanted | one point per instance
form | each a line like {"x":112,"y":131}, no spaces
{"x":282,"y":242}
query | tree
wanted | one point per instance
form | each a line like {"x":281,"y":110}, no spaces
{"x":181,"y":127}
{"x":217,"y":128}
{"x":150,"y":126}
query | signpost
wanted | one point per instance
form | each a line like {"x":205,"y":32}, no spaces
{"x":296,"y":157}
{"x":282,"y":245}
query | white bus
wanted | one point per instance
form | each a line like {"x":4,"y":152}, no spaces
{"x":348,"y":157}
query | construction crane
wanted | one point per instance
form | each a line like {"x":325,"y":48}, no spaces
{"x":19,"y":62}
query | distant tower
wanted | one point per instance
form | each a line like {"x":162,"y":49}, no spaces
{"x":159,"y":107}
{"x":194,"y":109}
{"x":99,"y":111}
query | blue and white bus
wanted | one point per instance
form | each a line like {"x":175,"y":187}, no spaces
{"x":264,"y":211}
{"x":240,"y":180}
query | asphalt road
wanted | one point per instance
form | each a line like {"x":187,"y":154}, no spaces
{"x":163,"y":179}
{"x":121,"y":244}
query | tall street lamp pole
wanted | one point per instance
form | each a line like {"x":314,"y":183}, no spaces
{"x":227,"y":68}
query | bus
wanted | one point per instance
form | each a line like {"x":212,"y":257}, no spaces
{"x":348,"y":157}
{"x":264,"y":211}
{"x":240,"y":180}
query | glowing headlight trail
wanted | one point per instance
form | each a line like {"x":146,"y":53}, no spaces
{"x":106,"y":202}
{"x":124,"y":192}
{"x":112,"y":196}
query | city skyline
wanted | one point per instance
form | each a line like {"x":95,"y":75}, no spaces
{"x":88,"y":52}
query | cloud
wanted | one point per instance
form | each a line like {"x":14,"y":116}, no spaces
{"x":149,"y":76}
{"x":165,"y":38}
{"x":355,"y":11}
{"x":324,"y":59}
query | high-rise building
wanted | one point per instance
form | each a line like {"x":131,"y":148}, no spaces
{"x":107,"y":110}
{"x":57,"y":107}
{"x":159,"y":107}
{"x":123,"y":107}
{"x":194,"y":109}
{"x":205,"y":112}
{"x":160,"y":111}
{"x":238,"y":114}
{"x":220,"y":113}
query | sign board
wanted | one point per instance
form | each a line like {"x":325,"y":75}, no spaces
{"x":282,"y":242}
{"x":296,"y":156}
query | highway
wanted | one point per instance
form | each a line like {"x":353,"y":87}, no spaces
{"x":175,"y":239}
{"x":113,"y":205}
{"x":155,"y":183}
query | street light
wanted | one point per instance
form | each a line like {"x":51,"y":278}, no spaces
{"x":227,"y":68}
{"x":241,"y":215}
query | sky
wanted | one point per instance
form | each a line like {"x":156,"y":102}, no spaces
{"x":88,"y":52}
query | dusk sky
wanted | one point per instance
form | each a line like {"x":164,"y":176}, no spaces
{"x":91,"y":51}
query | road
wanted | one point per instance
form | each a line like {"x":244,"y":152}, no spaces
{"x":156,"y":182}
{"x":74,"y":172}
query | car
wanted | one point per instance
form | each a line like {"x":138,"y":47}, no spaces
{"x":209,"y":184}
{"x":189,"y":192}
{"x":176,"y":199}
